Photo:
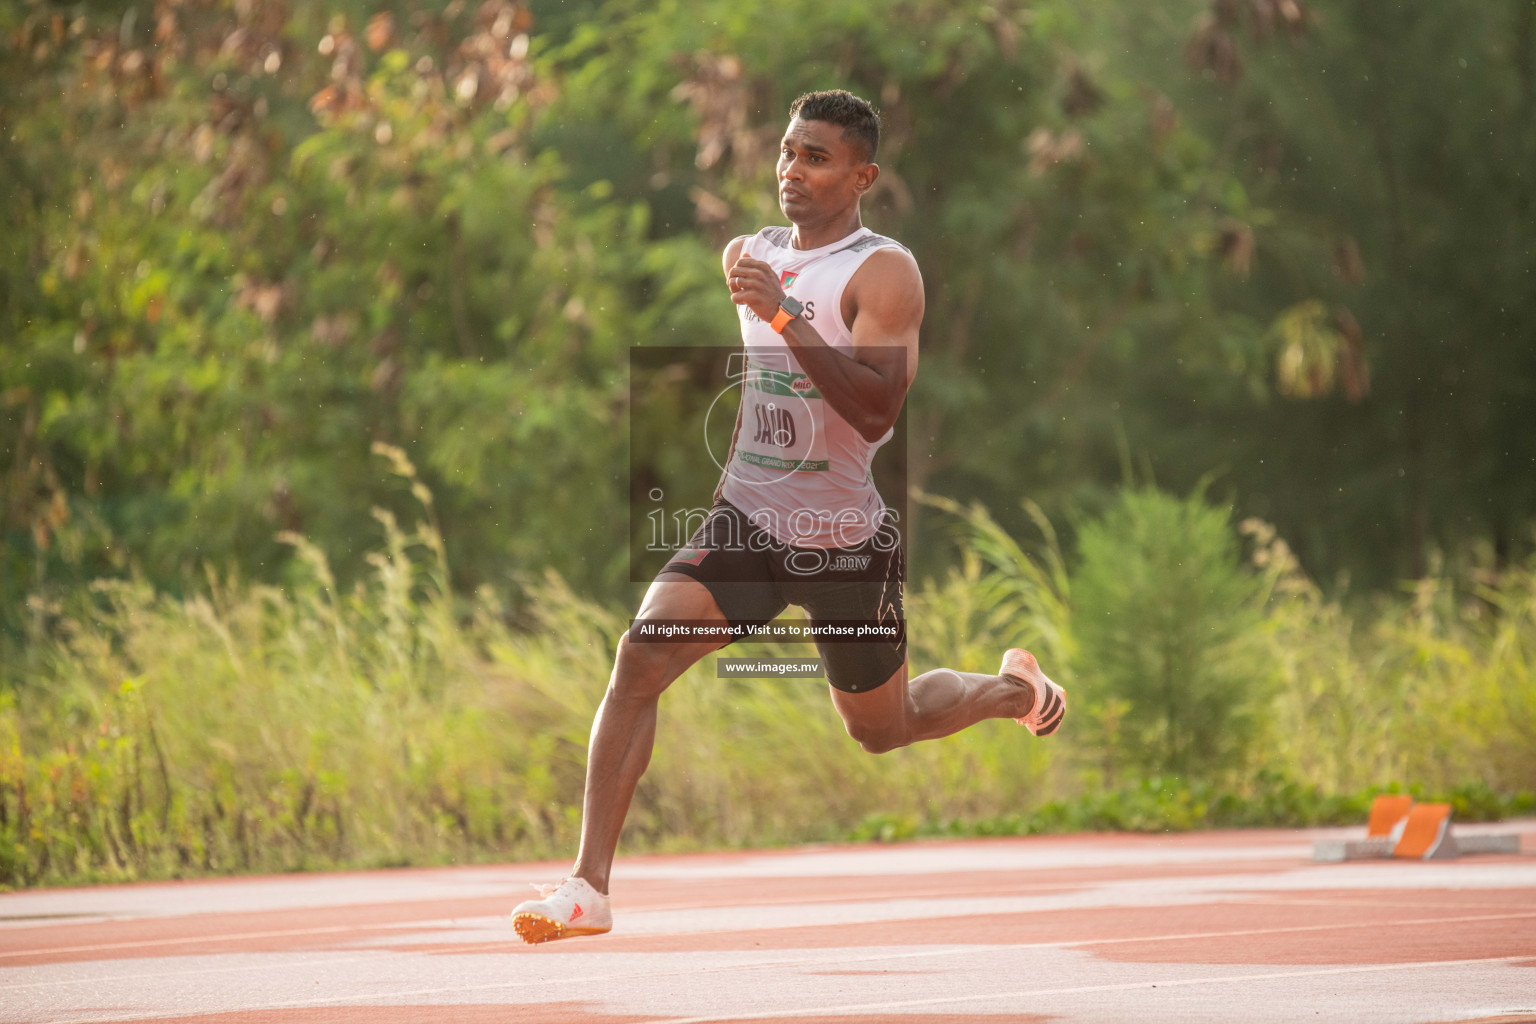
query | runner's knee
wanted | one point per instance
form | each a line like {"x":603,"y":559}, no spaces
{"x":643,"y":670}
{"x":875,"y":738}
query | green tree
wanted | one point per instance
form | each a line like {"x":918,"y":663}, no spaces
{"x":1388,"y":148}
{"x":251,"y":242}
{"x":1168,"y":621}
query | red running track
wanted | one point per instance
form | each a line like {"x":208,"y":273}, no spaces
{"x":1216,"y":926}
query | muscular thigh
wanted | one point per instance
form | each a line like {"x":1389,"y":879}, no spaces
{"x":673,"y":597}
{"x":867,"y":595}
{"x":729,"y":557}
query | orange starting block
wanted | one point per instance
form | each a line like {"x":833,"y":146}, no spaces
{"x":1425,"y":833}
{"x":1400,"y":828}
{"x":1389,"y":814}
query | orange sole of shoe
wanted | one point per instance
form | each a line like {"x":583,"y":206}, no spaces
{"x":535,"y":928}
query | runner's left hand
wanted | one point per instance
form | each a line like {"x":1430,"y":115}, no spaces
{"x":755,"y":285}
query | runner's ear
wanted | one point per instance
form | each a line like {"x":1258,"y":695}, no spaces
{"x":864,"y":177}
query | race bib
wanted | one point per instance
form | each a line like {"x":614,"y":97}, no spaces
{"x":783,"y":421}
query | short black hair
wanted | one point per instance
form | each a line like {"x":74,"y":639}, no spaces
{"x":856,"y":117}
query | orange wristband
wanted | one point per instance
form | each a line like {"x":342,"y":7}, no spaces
{"x":781,"y":320}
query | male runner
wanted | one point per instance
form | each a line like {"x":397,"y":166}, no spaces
{"x":830,"y":314}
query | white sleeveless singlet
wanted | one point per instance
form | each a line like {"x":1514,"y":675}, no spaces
{"x":799,"y":470}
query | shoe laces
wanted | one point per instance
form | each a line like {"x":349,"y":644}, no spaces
{"x":545,"y":890}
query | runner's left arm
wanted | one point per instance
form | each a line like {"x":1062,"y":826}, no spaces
{"x":883,"y":304}
{"x":727,"y":259}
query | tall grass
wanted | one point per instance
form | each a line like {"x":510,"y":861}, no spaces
{"x":1438,"y":688}
{"x":261,"y":728}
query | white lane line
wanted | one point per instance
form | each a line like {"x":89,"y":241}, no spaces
{"x":847,"y":1008}
{"x":1058,"y":944}
{"x":1299,"y":928}
{"x":992,"y":892}
{"x":240,"y":937}
{"x":290,"y":965}
{"x":1264,"y":900}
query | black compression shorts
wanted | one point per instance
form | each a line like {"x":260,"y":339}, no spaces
{"x":753,"y":577}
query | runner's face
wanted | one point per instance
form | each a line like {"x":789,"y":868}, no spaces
{"x":819,"y":173}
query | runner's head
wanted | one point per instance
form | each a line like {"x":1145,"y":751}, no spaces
{"x":858,"y":120}
{"x":826,"y":159}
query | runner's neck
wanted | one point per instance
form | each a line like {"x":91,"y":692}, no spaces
{"x":830,"y":245}
{"x":822,"y":235}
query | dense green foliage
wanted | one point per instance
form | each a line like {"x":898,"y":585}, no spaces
{"x":1288,"y":243}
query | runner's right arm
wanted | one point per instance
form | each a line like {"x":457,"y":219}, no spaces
{"x":883,"y":307}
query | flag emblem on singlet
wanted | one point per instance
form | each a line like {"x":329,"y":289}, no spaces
{"x":787,"y":278}
{"x":692,"y":556}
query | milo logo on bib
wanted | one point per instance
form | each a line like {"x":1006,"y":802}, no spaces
{"x":791,"y":435}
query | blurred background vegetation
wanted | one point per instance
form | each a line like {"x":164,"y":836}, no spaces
{"x":314,"y":332}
